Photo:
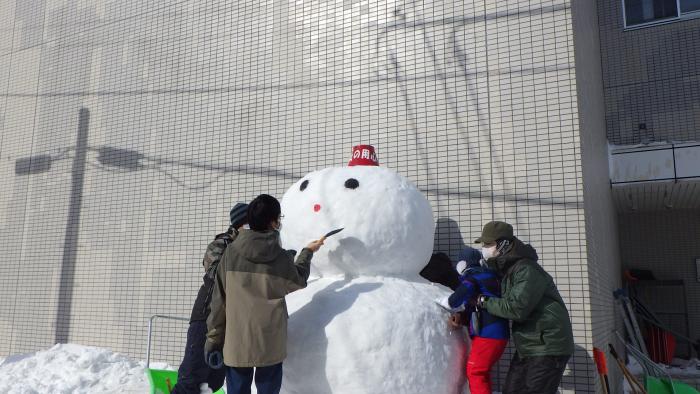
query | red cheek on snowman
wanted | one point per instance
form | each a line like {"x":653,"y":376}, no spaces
{"x":317,"y":207}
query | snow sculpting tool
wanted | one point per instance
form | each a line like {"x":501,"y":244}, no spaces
{"x":602,"y":366}
{"x":336,"y":231}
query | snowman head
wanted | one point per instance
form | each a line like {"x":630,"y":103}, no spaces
{"x":387,"y":223}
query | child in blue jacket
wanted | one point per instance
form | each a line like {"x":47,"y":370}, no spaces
{"x":489,"y":334}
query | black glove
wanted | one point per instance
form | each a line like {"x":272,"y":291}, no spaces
{"x":213,"y":356}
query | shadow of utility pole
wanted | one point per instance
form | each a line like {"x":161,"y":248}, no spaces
{"x":70,"y":244}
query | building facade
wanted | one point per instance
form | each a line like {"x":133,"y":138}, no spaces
{"x":129,"y":128}
{"x":650,"y":52}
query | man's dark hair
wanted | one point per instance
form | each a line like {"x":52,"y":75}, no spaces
{"x":262,"y":211}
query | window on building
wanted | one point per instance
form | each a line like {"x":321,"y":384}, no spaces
{"x":639,"y":12}
{"x":643,"y":11}
{"x":690,"y":5}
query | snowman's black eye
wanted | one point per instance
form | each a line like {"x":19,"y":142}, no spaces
{"x":352,"y":183}
{"x":304,"y":185}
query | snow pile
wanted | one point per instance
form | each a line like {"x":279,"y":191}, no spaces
{"x":70,"y":368}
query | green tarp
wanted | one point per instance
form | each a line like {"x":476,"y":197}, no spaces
{"x":663,"y":386}
{"x":163,"y":381}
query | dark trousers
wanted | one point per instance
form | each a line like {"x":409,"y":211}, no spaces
{"x":535,"y":375}
{"x":268,"y":380}
{"x":194,"y":371}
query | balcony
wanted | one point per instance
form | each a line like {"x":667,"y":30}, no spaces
{"x":657,"y":176}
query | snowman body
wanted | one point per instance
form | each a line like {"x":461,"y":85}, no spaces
{"x":366,"y":323}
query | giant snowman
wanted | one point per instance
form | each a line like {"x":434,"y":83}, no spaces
{"x":366,"y":323}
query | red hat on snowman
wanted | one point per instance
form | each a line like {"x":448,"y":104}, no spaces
{"x":363,"y":155}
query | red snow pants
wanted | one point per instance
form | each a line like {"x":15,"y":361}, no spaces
{"x":484,"y":354}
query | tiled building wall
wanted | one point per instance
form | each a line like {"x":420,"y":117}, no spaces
{"x":601,"y":224}
{"x":651,"y":78}
{"x":191,"y":106}
{"x":667,"y":243}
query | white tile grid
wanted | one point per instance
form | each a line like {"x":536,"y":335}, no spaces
{"x":229,"y":100}
{"x":650,"y":78}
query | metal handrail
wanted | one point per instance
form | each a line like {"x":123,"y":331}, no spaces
{"x":150,"y":330}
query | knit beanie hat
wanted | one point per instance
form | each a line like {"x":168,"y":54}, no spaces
{"x":239,"y":214}
{"x":470,"y":255}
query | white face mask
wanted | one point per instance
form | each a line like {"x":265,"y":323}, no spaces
{"x":488,"y":252}
{"x":246,"y":227}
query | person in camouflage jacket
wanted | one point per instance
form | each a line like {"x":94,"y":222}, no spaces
{"x":541,"y":328}
{"x":194,"y":370}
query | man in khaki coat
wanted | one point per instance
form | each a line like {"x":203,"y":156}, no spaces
{"x":255,"y":274}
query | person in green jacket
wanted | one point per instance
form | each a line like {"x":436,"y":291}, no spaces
{"x":541,"y":328}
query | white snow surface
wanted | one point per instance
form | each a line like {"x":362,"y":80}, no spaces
{"x":388,"y":223}
{"x":367,"y":323}
{"x":75,"y":369}
{"x":371,"y":335}
{"x":680,"y":369}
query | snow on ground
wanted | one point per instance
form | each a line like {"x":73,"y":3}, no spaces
{"x":76,"y":369}
{"x":70,"y":368}
{"x":680,"y":368}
